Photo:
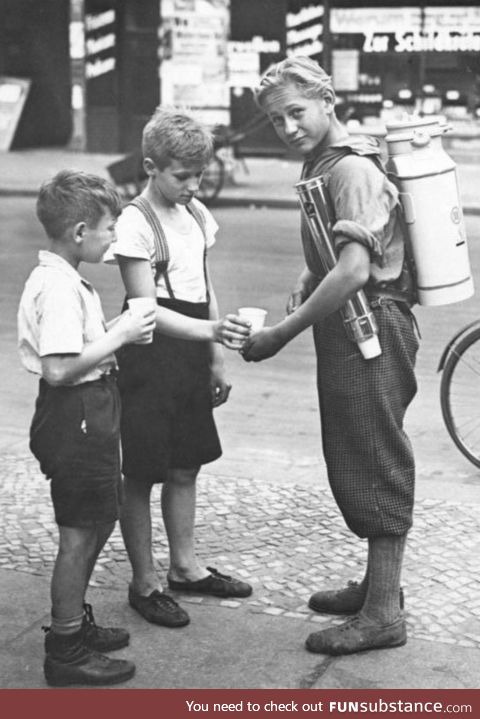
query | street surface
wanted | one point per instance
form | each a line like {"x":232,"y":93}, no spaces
{"x":265,"y":510}
{"x":270,"y":424}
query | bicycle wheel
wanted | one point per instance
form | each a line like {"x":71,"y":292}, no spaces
{"x":212,"y":180}
{"x":460,"y":395}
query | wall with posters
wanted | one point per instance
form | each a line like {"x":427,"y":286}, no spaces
{"x":193,"y":71}
{"x":257,"y":39}
{"x":120,"y":71}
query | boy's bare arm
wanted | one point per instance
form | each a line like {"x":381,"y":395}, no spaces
{"x":220,"y":387}
{"x":138,"y":280}
{"x":302,"y":290}
{"x":347,"y":277}
{"x":60,"y":369}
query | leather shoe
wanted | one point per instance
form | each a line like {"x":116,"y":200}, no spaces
{"x":356,"y":635}
{"x":69,"y":662}
{"x":158,"y":608}
{"x":102,"y":639}
{"x":348,"y":600}
{"x":94,"y":670}
{"x":99,"y":639}
{"x":215,"y":584}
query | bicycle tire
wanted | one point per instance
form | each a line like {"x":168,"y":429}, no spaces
{"x":212,"y":181}
{"x":460,"y":396}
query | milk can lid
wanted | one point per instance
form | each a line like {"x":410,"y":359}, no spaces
{"x":411,"y":122}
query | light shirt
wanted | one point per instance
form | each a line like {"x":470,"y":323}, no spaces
{"x":135,"y":239}
{"x":59,"y":314}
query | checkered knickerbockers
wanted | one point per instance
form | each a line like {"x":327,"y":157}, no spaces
{"x":369,"y":457}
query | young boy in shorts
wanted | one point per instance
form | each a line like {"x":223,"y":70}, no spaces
{"x":169,"y":388}
{"x":76,"y":425}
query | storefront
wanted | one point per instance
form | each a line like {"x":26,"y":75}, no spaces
{"x":98,"y":68}
{"x":388,"y":57}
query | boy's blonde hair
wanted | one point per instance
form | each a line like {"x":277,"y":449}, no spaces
{"x":72,"y":197}
{"x":174,"y":135}
{"x":308,"y":77}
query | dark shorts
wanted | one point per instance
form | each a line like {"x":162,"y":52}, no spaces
{"x":369,"y":457}
{"x":75,"y":435}
{"x":167,"y":413}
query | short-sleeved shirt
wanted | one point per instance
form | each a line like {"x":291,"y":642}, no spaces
{"x":366,"y":207}
{"x":59,"y":314}
{"x":135,"y":239}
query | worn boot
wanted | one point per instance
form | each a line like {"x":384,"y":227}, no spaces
{"x":69,"y":661}
{"x":348,"y":600}
{"x":100,"y":639}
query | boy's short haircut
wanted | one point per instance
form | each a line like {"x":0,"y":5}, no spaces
{"x":303,"y":72}
{"x":72,"y":197}
{"x":174,"y":135}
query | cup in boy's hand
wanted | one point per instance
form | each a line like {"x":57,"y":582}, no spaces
{"x":255,"y":315}
{"x":141,"y":306}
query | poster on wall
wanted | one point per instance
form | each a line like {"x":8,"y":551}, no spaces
{"x":13,"y":93}
{"x":194,"y":72}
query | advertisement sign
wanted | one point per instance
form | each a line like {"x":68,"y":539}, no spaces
{"x":408,"y":29}
{"x":345,"y":70}
{"x":194,"y":71}
{"x":13,"y":93}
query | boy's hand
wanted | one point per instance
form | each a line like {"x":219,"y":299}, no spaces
{"x":219,"y":387}
{"x":136,"y":327}
{"x":231,"y":331}
{"x":262,"y":345}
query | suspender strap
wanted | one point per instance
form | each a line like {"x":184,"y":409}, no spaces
{"x":199,"y":217}
{"x":162,"y":253}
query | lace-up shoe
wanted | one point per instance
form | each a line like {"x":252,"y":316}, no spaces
{"x":158,"y":608}
{"x":356,"y":635}
{"x":348,"y":600}
{"x":216,"y":584}
{"x":69,"y":661}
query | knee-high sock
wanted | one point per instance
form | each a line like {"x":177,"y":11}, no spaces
{"x":385,"y":558}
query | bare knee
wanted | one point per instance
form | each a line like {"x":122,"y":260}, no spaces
{"x":183,"y":477}
{"x":77,"y":543}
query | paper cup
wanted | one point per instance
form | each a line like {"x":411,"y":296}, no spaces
{"x":140,"y":306}
{"x":255,"y":315}
{"x":370,"y":347}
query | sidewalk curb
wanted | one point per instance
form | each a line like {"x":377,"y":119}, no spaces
{"x":250,"y":202}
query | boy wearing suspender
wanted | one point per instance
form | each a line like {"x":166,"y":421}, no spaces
{"x":170,"y":387}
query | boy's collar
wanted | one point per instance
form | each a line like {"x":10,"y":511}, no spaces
{"x":47,"y":258}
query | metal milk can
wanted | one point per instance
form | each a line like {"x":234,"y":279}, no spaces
{"x":426,"y":178}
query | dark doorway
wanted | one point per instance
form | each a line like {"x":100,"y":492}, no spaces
{"x":34,"y":45}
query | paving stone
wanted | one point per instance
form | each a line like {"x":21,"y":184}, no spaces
{"x":287,"y":541}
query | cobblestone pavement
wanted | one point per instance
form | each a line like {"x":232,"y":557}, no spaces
{"x":287,"y":540}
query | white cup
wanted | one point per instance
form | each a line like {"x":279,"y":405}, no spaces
{"x":370,"y":347}
{"x":140,"y":306}
{"x":255,"y":315}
